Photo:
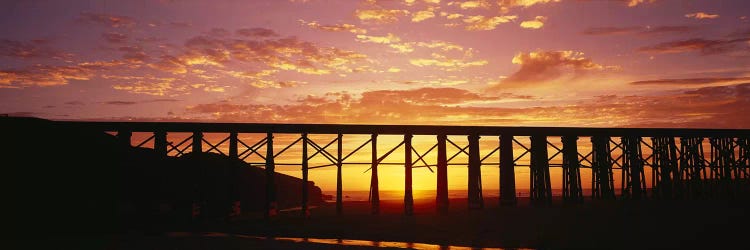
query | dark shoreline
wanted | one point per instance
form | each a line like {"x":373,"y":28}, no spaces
{"x":615,"y":224}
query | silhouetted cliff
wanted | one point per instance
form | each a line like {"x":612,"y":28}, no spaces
{"x":65,"y":179}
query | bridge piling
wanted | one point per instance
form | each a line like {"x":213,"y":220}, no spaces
{"x":124,"y":137}
{"x":602,"y":182}
{"x":197,"y":143}
{"x":541,"y":190}
{"x":692,"y":167}
{"x":233,"y":152}
{"x":374,"y":189}
{"x":507,"y":172}
{"x":339,"y":177}
{"x":571,"y":170}
{"x":305,"y":211}
{"x":408,"y":195}
{"x":270,"y":204}
{"x":160,"y":143}
{"x":475,"y":174}
{"x":442,"y":175}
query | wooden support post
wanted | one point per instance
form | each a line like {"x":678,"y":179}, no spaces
{"x":571,"y":170}
{"x":507,"y":172}
{"x":374,"y":189}
{"x":442,"y":175}
{"x":475,"y":174}
{"x":160,"y":143}
{"x":339,"y":184}
{"x":541,"y":190}
{"x":408,"y":198}
{"x":197,"y":143}
{"x":233,"y":152}
{"x":271,"y":206}
{"x":633,"y":185}
{"x":124,"y":137}
{"x":602,"y":181}
{"x":305,"y":212}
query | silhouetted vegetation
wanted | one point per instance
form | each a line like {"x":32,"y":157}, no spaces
{"x":66,"y":180}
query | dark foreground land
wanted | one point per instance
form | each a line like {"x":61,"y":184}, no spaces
{"x":599,"y":225}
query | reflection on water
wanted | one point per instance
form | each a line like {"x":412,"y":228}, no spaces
{"x":340,"y":242}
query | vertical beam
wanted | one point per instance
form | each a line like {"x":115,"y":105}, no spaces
{"x":442,"y":175}
{"x":664,"y":166}
{"x":601,"y":164}
{"x":339,"y":181}
{"x":160,"y":143}
{"x":233,"y":152}
{"x":270,"y":176}
{"x":634,"y":185}
{"x":305,"y":212}
{"x":691,"y":167}
{"x":571,"y":170}
{"x":475,"y":174}
{"x":541,"y":190}
{"x":374,"y":189}
{"x":722,"y":165}
{"x":507,"y":173}
{"x":124,"y":137}
{"x":197,"y":143}
{"x":408,"y":198}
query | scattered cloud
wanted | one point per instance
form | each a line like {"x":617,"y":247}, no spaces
{"x":639,"y":30}
{"x":334,"y":28}
{"x":633,"y":3}
{"x":380,"y":15}
{"x":701,"y":15}
{"x":122,"y":103}
{"x":106,"y":20}
{"x":693,"y":81}
{"x":537,"y":23}
{"x":448,"y":64}
{"x":486,"y":23}
{"x":523,"y":3}
{"x":422,"y":15}
{"x":256,"y":32}
{"x":475,"y":4}
{"x":30,"y":49}
{"x":46,"y":75}
{"x":115,"y":37}
{"x":542,"y":66}
{"x":389,"y":38}
{"x":704,"y":46}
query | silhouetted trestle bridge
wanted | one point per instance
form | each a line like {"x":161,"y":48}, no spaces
{"x":679,"y":166}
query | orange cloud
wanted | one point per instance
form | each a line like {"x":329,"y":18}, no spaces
{"x":256,"y":32}
{"x":30,"y":49}
{"x":486,"y":23}
{"x":45,"y":75}
{"x":474,"y":4}
{"x":715,"y":107}
{"x":693,"y":81}
{"x":703,"y":45}
{"x":633,"y":3}
{"x":114,"y":37}
{"x":389,"y":38}
{"x":334,"y":28}
{"x":106,"y":19}
{"x":523,"y":3}
{"x":701,"y":15}
{"x":537,"y":23}
{"x":542,"y":66}
{"x":380,"y":15}
{"x":422,"y":15}
{"x":448,"y":64}
{"x":639,"y":30}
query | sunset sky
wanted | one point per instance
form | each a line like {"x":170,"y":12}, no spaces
{"x":651,"y":63}
{"x":598,"y":63}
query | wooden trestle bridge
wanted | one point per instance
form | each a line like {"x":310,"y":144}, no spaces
{"x":679,"y":166}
